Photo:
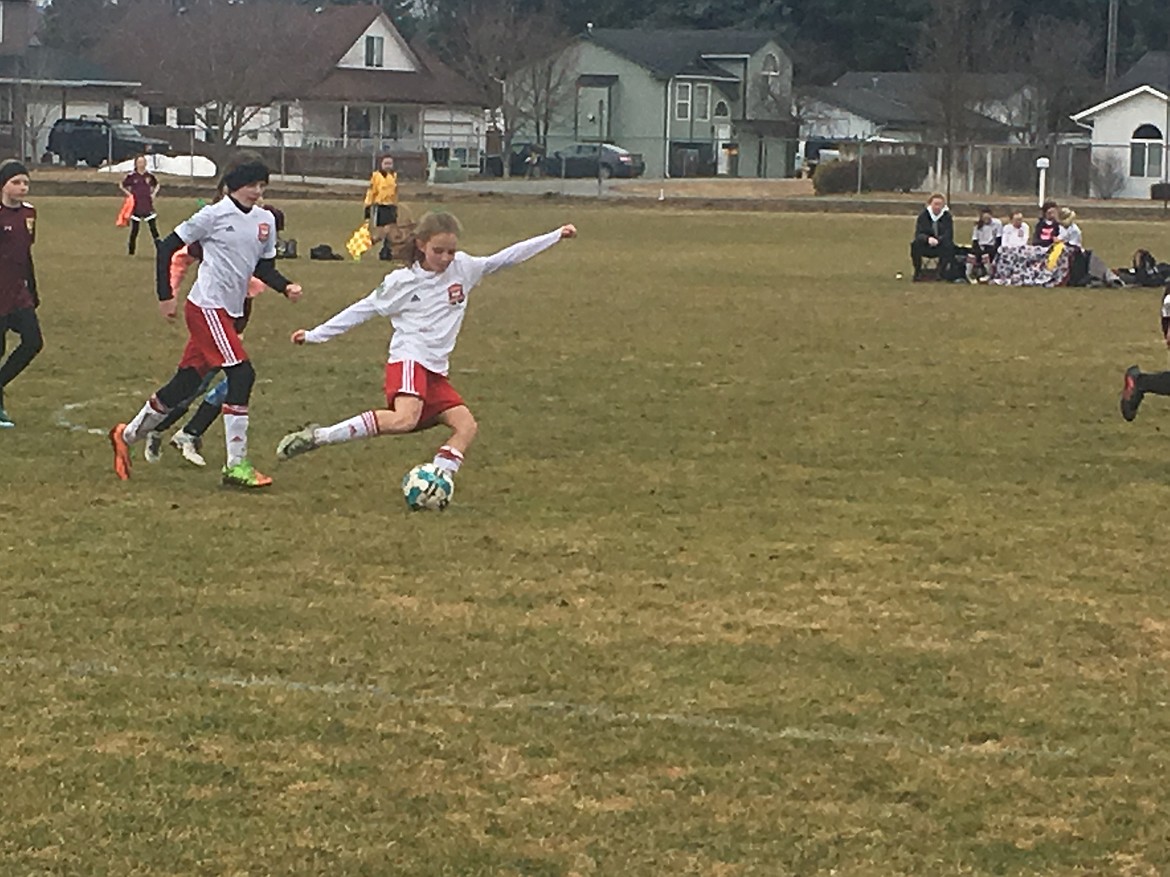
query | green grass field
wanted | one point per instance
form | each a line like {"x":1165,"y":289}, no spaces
{"x":765,"y":563}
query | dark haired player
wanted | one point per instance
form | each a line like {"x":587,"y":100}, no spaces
{"x":18,"y":284}
{"x":239,"y":240}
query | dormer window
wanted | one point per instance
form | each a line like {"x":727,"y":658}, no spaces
{"x":374,"y":49}
{"x":771,"y":65}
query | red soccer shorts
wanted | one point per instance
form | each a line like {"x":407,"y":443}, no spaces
{"x":213,"y":342}
{"x":407,"y":378}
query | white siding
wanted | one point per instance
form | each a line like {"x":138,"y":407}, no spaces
{"x":395,"y":55}
{"x":1113,"y":130}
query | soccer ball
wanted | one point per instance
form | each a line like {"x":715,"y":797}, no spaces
{"x":426,"y":487}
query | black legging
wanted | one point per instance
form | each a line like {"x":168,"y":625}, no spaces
{"x":134,"y":223}
{"x":24,"y":323}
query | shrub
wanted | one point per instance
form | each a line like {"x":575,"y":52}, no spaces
{"x":879,"y":173}
{"x":1160,"y":192}
{"x":1107,"y":175}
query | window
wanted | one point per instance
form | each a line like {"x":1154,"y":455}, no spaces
{"x":185,"y":117}
{"x":722,"y":110}
{"x":389,"y":125}
{"x":682,"y":101}
{"x":702,"y":102}
{"x":282,"y":122}
{"x":374,"y":46}
{"x":156,"y":115}
{"x":114,"y":110}
{"x":771,"y":65}
{"x":5,"y":107}
{"x":1145,"y":152}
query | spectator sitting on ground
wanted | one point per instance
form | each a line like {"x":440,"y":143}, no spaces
{"x":1016,"y":233}
{"x":1070,"y":232}
{"x":1047,"y":226}
{"x":985,"y":241}
{"x":934,"y":236}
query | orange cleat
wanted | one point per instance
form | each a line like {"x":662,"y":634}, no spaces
{"x":121,"y":452}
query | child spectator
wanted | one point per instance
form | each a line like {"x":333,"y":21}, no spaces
{"x":1016,"y":233}
{"x":1047,"y":226}
{"x":985,"y":241}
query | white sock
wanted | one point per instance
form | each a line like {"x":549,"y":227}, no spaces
{"x":235,"y":432}
{"x":152,"y":414}
{"x":360,"y":426}
{"x":448,"y":459}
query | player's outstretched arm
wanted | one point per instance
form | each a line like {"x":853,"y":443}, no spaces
{"x":354,"y":315}
{"x":525,"y":250}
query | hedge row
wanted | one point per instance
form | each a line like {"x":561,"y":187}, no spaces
{"x":879,"y":173}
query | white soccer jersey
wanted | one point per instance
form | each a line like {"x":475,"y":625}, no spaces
{"x":426,"y":309}
{"x":1013,"y":237}
{"x":986,"y":235}
{"x":1071,"y":235}
{"x":233,"y":243}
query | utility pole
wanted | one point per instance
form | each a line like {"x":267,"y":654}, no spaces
{"x":1111,"y":43}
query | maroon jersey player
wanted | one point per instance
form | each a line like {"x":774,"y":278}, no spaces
{"x":18,"y":285}
{"x":141,"y":186}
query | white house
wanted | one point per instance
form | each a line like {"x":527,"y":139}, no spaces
{"x":356,"y":85}
{"x":1129,"y":135}
{"x":1129,"y":130}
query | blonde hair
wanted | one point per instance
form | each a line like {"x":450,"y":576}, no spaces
{"x":431,"y":224}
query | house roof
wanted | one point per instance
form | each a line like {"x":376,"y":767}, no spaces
{"x":671,"y":52}
{"x":1117,"y":99}
{"x":1152,"y":68}
{"x":316,"y":38}
{"x":991,"y":85}
{"x":903,"y":111}
{"x":60,"y":68}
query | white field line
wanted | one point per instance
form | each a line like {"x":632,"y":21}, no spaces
{"x":594,"y":712}
{"x":65,"y":414}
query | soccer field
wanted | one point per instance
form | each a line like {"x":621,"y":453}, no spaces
{"x":764,"y":563}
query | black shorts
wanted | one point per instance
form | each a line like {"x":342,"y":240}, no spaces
{"x":385,"y":214}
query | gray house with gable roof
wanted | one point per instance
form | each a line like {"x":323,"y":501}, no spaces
{"x":693,"y":103}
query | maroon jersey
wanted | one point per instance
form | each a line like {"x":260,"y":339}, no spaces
{"x":142,"y":187}
{"x":18,"y":230}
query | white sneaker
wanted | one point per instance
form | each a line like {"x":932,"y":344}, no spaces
{"x":153,"y":451}
{"x":189,"y":446}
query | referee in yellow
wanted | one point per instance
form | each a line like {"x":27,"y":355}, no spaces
{"x":382,"y":204}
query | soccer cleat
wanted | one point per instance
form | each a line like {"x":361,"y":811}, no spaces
{"x":1131,"y":396}
{"x":244,"y":474}
{"x":189,"y":446}
{"x":297,"y":443}
{"x":152,"y":453}
{"x":121,"y":452}
{"x":6,"y":422}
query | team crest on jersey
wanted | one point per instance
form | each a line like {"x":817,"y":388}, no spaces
{"x":455,"y":294}
{"x":30,"y":222}
{"x":264,"y":230}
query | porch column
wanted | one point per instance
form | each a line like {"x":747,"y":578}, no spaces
{"x":344,"y":125}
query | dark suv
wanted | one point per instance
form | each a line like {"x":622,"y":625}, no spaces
{"x":93,"y":139}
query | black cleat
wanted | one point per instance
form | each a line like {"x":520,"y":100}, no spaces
{"x":1131,"y":396}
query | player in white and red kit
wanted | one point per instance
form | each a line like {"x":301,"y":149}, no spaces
{"x":239,"y":240}
{"x":426,"y":303}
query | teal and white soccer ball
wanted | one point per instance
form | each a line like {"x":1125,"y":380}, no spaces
{"x":427,"y":488}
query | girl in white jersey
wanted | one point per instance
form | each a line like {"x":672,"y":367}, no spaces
{"x":425,"y":302}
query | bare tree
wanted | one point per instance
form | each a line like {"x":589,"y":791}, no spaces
{"x":962,"y":41}
{"x":1059,"y":57}
{"x":487,"y":41}
{"x":226,"y":61}
{"x":539,"y":92}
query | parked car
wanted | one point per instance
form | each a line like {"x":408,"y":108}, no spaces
{"x":93,"y":139}
{"x":602,"y":160}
